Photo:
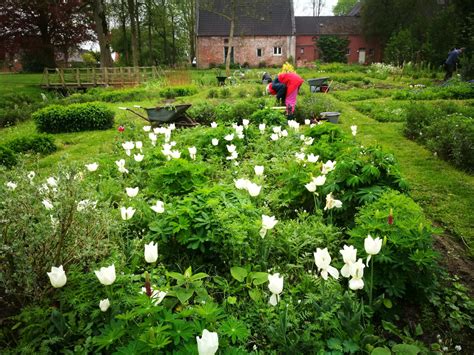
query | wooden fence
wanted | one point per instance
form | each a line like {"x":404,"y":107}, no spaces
{"x":83,"y":78}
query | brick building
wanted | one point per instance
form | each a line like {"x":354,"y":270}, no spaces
{"x":264,"y":32}
{"x":267,"y":31}
{"x":309,"y":29}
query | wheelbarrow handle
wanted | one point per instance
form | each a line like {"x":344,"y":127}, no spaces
{"x":137,"y":106}
{"x":123,"y":108}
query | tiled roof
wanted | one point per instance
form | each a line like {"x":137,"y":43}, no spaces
{"x":327,"y":25}
{"x":254,"y":17}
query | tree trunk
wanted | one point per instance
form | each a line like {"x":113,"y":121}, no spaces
{"x":150,"y":23}
{"x":173,"y":43}
{"x":123,"y":19}
{"x":229,"y":50}
{"x":139,"y":32}
{"x":101,"y":29}
{"x":46,"y":54}
{"x":165,"y":44}
{"x":133,"y":30}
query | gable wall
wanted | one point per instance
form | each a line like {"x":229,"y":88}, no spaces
{"x":211,"y":50}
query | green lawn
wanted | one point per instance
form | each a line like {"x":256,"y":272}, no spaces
{"x":15,"y":83}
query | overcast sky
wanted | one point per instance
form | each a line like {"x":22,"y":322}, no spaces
{"x":305,"y":7}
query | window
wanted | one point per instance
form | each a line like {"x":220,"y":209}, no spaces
{"x":348,"y":51}
{"x":259,"y":52}
{"x":302,"y":51}
{"x":276,"y":50}
{"x":226,"y":40}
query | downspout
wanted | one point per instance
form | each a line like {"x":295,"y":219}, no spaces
{"x":292,"y":37}
{"x":196,"y":34}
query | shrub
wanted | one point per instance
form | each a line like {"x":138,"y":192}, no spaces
{"x":268,"y":116}
{"x":7,"y":157}
{"x":406,"y":265}
{"x":73,"y":118}
{"x":36,"y":143}
{"x":333,"y":48}
{"x":203,"y":112}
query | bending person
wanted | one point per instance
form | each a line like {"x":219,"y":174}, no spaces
{"x":292,"y":82}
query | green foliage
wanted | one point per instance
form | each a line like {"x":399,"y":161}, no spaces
{"x":406,"y":265}
{"x":36,"y":143}
{"x":401,"y":47}
{"x":361,"y":94}
{"x":343,"y":7}
{"x":333,"y":48}
{"x":7,"y":157}
{"x":73,"y":118}
{"x":268,"y":116}
{"x":456,"y":90}
{"x":444,"y":131}
{"x":64,"y":235}
{"x":389,"y":111}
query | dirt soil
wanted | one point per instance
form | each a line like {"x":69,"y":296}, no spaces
{"x":454,"y":259}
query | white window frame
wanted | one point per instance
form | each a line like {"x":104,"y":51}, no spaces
{"x":277,"y":51}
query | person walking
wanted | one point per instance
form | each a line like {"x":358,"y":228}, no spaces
{"x":451,"y":62}
{"x":292,"y":82}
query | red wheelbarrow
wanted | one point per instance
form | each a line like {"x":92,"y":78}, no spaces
{"x":158,"y":116}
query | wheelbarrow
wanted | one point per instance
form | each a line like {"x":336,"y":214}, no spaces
{"x":157,"y":116}
{"x":319,"y":84}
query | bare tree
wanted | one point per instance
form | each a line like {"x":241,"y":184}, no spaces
{"x":317,"y":6}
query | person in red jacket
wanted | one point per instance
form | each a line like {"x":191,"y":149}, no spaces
{"x":293,"y":82}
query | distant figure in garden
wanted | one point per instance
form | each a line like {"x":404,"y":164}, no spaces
{"x":194,"y":63}
{"x":286,"y":87}
{"x":451,"y":62}
{"x":266,"y":78}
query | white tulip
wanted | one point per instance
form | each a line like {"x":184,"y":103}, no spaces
{"x":307,"y":122}
{"x":192,"y":152}
{"x":320,"y":180}
{"x":274,"y":137}
{"x":158,"y":207}
{"x":31,"y":175}
{"x":11,"y":185}
{"x":132,"y":191}
{"x":311,"y":186}
{"x":121,"y":166}
{"x":354,"y":130}
{"x":52,"y":182}
{"x":215,"y":142}
{"x":229,"y":137}
{"x":328,"y":166}
{"x":213,"y":124}
{"x":233,"y":156}
{"x":231,"y":148}
{"x":48,"y":205}
{"x":300,"y":156}
{"x":308,"y":140}
{"x":139,"y":145}
{"x":127,"y":213}
{"x":57,"y":276}
{"x":261,"y":127}
{"x":208,"y":343}
{"x":104,"y":305}
{"x":82,"y":205}
{"x":284,"y":133}
{"x":147,"y":128}
{"x":172,"y":126}
{"x":349,"y":255}
{"x":138,"y":157}
{"x":276,"y":129}
{"x":151,"y":252}
{"x":372,"y":246}
{"x":241,"y":184}
{"x":253,"y":189}
{"x":128,"y":146}
{"x":357,"y":272}
{"x":312,"y":158}
{"x":275,"y":285}
{"x":259,"y":170}
{"x":331,"y":202}
{"x":106,"y":275}
{"x":153,"y":138}
{"x":245,"y":123}
{"x":92,"y":167}
{"x":322,"y":260}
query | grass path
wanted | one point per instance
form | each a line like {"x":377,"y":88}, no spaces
{"x":445,"y":193}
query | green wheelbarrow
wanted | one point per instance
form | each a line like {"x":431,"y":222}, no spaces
{"x":160,"y":115}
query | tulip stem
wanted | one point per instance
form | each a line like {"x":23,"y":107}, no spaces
{"x":316,"y":202}
{"x":371,"y":281}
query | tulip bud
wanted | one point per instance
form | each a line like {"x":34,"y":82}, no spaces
{"x":390,"y":217}
{"x":121,"y":128}
{"x":148,"y":290}
{"x":151,"y":252}
{"x":104,"y":305}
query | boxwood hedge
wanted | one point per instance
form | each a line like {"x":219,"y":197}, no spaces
{"x":74,"y":118}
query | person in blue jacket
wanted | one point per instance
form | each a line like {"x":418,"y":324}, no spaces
{"x":451,"y":62}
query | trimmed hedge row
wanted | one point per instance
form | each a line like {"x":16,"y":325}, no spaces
{"x":74,"y":118}
{"x":36,"y":143}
